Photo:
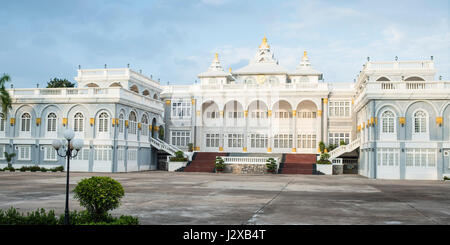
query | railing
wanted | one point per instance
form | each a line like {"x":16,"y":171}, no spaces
{"x":89,"y":74}
{"x":337,"y":161}
{"x":399,"y":86}
{"x":427,"y":64}
{"x":86,"y":93}
{"x":158,"y":145}
{"x":249,"y":160}
{"x":385,"y":86}
{"x":420,"y":85}
{"x":161,"y":145}
{"x":281,"y":86}
{"x":344,"y":149}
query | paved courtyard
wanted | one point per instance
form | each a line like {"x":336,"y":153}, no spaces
{"x":202,"y":198}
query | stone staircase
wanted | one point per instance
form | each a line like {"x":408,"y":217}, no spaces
{"x":298,"y":164}
{"x":203,"y":162}
{"x":344,"y":149}
{"x":164,"y":146}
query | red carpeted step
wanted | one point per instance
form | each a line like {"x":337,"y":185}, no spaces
{"x":203,"y":162}
{"x":298,"y":164}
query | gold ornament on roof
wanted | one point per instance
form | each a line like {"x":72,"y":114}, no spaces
{"x":216,"y":56}
{"x":305,"y":54}
{"x":264,"y":43}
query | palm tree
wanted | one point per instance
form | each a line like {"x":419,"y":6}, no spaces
{"x":4,"y":95}
{"x":9,"y":157}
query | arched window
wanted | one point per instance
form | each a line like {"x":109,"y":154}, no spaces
{"x":121,"y":123}
{"x":132,"y":123}
{"x":387,"y":122}
{"x":103,"y":122}
{"x":144,"y":125}
{"x":25,"y":123}
{"x":51,"y":122}
{"x":2,"y":122}
{"x":383,"y":79}
{"x":420,"y":122}
{"x":78,"y":122}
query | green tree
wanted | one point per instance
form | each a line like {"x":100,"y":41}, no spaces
{"x":99,"y":195}
{"x":60,"y":83}
{"x":4,"y":95}
{"x":9,"y":157}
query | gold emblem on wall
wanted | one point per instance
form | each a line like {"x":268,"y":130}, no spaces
{"x":260,"y":79}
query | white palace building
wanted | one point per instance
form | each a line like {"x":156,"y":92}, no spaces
{"x":394,"y":119}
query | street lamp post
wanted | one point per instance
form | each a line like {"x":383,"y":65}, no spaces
{"x":72,"y":144}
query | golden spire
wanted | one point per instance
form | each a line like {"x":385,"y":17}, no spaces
{"x":229,"y":70}
{"x":264,"y":43}
{"x":304,"y":54}
{"x":216,"y":56}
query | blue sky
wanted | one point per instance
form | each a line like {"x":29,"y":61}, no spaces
{"x":176,"y":40}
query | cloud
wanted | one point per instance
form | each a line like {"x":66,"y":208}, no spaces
{"x":213,"y":2}
{"x":392,"y":34}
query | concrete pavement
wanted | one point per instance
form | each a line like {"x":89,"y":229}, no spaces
{"x":203,"y":198}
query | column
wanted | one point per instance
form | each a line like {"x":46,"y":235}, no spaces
{"x":270,"y":136}
{"x":246,"y":135}
{"x":294,"y":138}
{"x":222,"y":141}
{"x":325,"y":121}
{"x":193,"y":126}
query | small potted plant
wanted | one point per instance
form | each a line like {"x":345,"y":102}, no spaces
{"x":219,"y":165}
{"x":324,"y":165}
{"x":271,"y":165}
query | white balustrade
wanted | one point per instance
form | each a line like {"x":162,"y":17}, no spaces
{"x":94,"y":93}
{"x":248,"y":160}
{"x":344,"y":149}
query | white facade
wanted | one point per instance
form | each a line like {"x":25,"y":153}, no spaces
{"x":263,"y":108}
{"x":115,"y":112}
{"x":394,"y":119}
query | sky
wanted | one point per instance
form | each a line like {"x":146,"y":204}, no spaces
{"x":175,"y":40}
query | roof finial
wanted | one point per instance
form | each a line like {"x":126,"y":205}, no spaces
{"x":216,"y":57}
{"x":264,"y":43}
{"x":305,"y":54}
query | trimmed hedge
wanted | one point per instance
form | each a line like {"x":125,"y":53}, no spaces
{"x":40,"y":217}
{"x":33,"y":169}
{"x":99,"y":195}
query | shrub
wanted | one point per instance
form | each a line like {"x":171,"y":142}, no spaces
{"x":342,"y":142}
{"x":99,"y":195}
{"x":57,"y":169}
{"x":446,"y":178}
{"x":179,"y":157}
{"x":219,"y":164}
{"x":321,"y":146}
{"x":38,"y":217}
{"x":10,"y":168}
{"x":331,"y":147}
{"x":324,"y":159}
{"x":271,"y":165}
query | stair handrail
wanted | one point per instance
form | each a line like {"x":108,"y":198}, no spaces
{"x":168,"y":146}
{"x":344,"y":148}
{"x":174,"y":148}
{"x":160,"y":146}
